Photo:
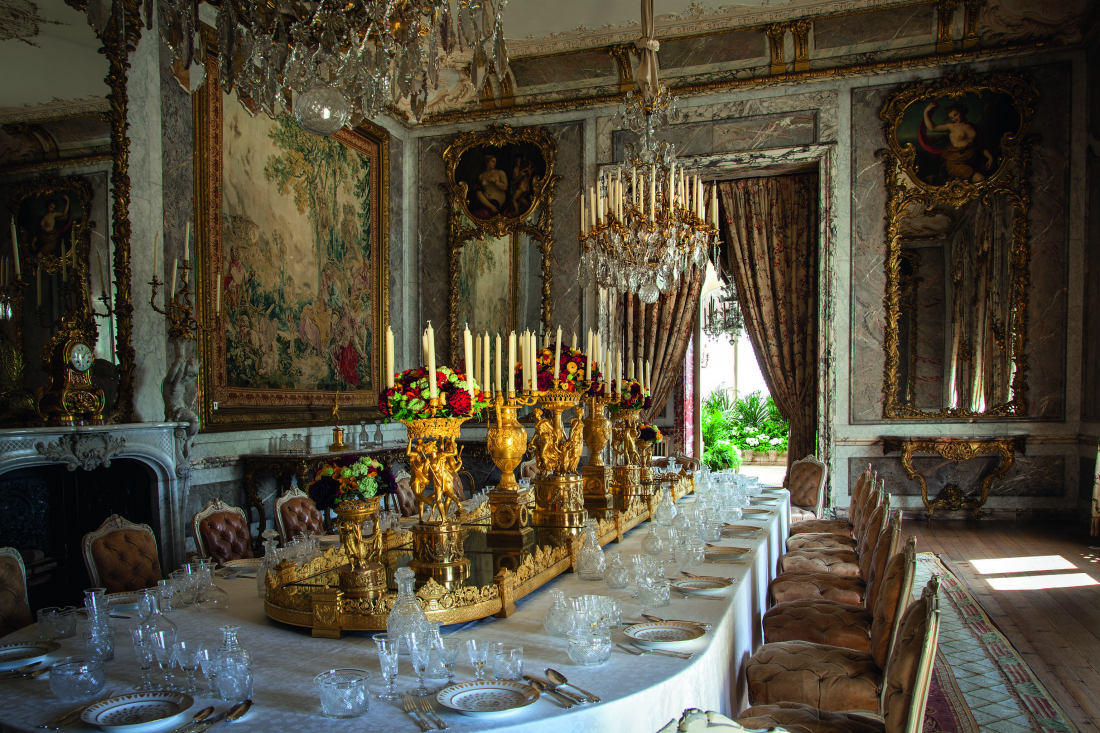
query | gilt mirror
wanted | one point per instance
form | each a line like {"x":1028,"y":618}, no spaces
{"x":500,"y":190}
{"x":64,"y":197}
{"x":957,"y":251}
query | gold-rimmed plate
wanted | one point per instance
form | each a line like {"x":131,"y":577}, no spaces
{"x":487,"y":698}
{"x":19,"y":653}
{"x":243,"y":563}
{"x":139,"y":712}
{"x":703,"y":586}
{"x":665,"y":634}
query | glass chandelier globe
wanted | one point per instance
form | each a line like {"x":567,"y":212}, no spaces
{"x":321,"y":110}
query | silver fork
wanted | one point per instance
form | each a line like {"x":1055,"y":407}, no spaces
{"x":410,"y":708}
{"x":426,"y":706}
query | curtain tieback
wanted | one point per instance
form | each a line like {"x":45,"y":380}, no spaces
{"x":648,"y":44}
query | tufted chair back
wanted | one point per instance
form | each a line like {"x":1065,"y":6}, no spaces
{"x":295,"y":514}
{"x":122,"y":556}
{"x":221,"y":532}
{"x":806,"y":483}
{"x":891,"y":596}
{"x":876,"y":522}
{"x":905,"y":689}
{"x":15,"y":612}
{"x":861,"y":494}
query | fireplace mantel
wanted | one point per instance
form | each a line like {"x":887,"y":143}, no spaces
{"x":163,"y":447}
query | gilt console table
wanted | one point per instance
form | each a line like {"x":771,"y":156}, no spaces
{"x":951,"y":497}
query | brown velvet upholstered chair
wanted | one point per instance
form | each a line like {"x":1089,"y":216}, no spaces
{"x":295,"y":514}
{"x":221,"y":532}
{"x":903,"y":688}
{"x":15,"y":610}
{"x":794,"y":586}
{"x":806,"y":482}
{"x":837,"y":679}
{"x":849,"y":561}
{"x":849,"y":625}
{"x":121,"y":556}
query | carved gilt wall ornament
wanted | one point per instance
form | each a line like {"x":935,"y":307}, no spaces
{"x":960,"y":153}
{"x":500,"y":192}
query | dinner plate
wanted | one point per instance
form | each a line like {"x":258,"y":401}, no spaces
{"x":714,"y":550}
{"x":124,"y":601}
{"x":703,"y":586}
{"x":330,"y":539}
{"x":18,"y":653}
{"x":244,"y":562}
{"x":741,"y":528}
{"x":666,"y":634}
{"x":139,"y":712}
{"x":755,"y":511}
{"x":486,"y":698}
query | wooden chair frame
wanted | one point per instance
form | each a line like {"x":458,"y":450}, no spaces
{"x":111,"y":524}
{"x":820,"y":507}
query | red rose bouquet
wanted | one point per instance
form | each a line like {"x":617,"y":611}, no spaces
{"x":632,"y":396}
{"x":650,"y":433}
{"x":408,"y":398}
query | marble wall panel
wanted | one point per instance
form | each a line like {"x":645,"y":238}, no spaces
{"x":564,"y":69}
{"x":1038,"y":476}
{"x":728,"y":136}
{"x":1048,"y":220}
{"x":823,"y":102}
{"x":432,"y":241}
{"x":1048,"y":237}
{"x":875,"y":27}
{"x":716,"y":49}
{"x":868,"y":206}
{"x":566,"y":290}
{"x":1090,"y":364}
{"x":397,"y":253}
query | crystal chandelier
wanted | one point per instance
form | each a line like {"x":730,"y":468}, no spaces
{"x":336,"y":62}
{"x":722,"y":315}
{"x":647,"y":224}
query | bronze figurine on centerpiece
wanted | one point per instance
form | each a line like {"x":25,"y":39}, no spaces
{"x":559,"y":491}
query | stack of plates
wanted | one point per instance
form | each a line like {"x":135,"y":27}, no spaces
{"x":19,"y":653}
{"x":703,"y":586}
{"x":664,"y":634}
{"x":124,"y":601}
{"x":487,"y":698}
{"x":139,"y":712}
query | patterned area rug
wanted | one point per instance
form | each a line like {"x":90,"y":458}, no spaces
{"x":979,"y":682}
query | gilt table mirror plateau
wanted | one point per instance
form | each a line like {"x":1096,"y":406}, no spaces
{"x":957,"y":250}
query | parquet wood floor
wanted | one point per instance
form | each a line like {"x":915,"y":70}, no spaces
{"x":1056,"y":630}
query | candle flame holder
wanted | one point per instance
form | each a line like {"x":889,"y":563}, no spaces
{"x":179,"y":308}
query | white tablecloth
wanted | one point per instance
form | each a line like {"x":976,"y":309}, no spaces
{"x":639,"y":693}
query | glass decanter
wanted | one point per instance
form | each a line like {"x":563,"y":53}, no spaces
{"x":234,"y":665}
{"x":209,"y":596}
{"x":591,"y":563}
{"x":155,"y":620}
{"x":557,"y":620}
{"x":406,"y":617}
{"x":270,"y":560}
{"x":666,"y":510}
{"x":617,"y":576}
{"x":653,"y":544}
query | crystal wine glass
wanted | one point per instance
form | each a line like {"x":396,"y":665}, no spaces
{"x":143,"y":649}
{"x":388,"y":649}
{"x":164,"y":649}
{"x":187,"y":654}
{"x":207,"y":659}
{"x":479,"y":656}
{"x":420,"y":654}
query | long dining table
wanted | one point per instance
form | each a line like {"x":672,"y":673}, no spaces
{"x":639,"y":693}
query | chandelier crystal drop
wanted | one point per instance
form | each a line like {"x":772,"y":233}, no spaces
{"x":343,"y":60}
{"x":647,"y":224}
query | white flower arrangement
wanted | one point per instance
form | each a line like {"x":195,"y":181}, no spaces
{"x":752,"y":441}
{"x":775,"y":441}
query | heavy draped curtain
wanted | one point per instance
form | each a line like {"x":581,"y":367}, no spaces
{"x":660,"y":333}
{"x":772,"y":236}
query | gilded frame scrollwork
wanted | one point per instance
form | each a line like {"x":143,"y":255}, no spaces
{"x":536,"y":222}
{"x":907,"y":191}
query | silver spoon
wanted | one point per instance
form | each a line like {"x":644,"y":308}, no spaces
{"x":557,"y":678}
{"x":198,"y":718}
{"x":559,"y":698}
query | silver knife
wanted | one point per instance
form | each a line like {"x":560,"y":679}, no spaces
{"x":666,"y":652}
{"x":591,"y":698}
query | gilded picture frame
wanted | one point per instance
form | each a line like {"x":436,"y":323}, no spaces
{"x":914,"y":189}
{"x":527,"y":193}
{"x":297,"y":243}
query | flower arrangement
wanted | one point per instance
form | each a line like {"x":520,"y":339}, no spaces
{"x":350,"y":477}
{"x":632,"y":396}
{"x":408,"y":398}
{"x":650,"y":433}
{"x":571,"y":370}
